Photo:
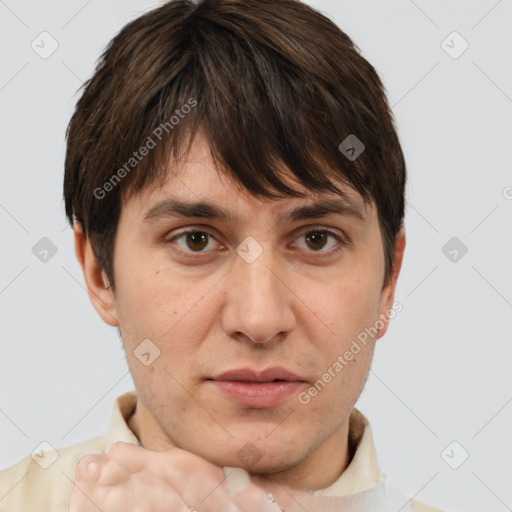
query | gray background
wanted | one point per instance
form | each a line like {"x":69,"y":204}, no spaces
{"x":441,"y":374}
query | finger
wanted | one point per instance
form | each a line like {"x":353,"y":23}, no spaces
{"x":255,"y":498}
{"x":245,"y":494}
{"x":170,"y":466}
{"x":127,"y":471}
{"x":175,"y":464}
{"x":133,"y":458}
{"x":197,"y":481}
{"x":88,"y":468}
{"x":136,"y":496}
{"x":154,"y":496}
{"x":208,"y":493}
{"x":295,"y":500}
{"x":81,"y":501}
{"x":236,"y":479}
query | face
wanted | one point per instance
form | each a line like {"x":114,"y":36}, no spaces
{"x":245,"y":315}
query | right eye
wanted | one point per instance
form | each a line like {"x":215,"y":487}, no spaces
{"x":192,"y":241}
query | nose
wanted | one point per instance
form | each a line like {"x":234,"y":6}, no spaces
{"x":259,"y":300}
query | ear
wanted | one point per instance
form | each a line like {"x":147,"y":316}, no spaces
{"x":388,"y":292}
{"x":100,"y":294}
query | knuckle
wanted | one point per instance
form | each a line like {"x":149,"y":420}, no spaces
{"x":256,"y":493}
{"x":176,"y":460}
{"x":118,"y":449}
{"x":87,"y":467}
{"x":175,"y":455}
{"x":252,"y":496}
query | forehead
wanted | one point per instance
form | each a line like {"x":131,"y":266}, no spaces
{"x":196,"y":187}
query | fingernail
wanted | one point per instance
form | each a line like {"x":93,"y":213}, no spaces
{"x":237,"y":479}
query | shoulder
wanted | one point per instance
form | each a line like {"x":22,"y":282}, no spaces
{"x":417,"y":506}
{"x":44,"y":481}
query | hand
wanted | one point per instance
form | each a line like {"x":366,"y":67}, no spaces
{"x":129,"y":478}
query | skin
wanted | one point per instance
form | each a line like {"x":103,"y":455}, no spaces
{"x":291,"y":307}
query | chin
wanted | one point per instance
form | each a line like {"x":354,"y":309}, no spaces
{"x":261,"y":456}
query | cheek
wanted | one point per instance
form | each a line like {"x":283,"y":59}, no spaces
{"x":166,"y":308}
{"x":341,"y":309}
{"x":339,"y":383}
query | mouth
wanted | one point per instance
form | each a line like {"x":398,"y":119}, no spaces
{"x":254,"y":389}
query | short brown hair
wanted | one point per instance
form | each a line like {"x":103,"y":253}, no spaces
{"x":271,"y":83}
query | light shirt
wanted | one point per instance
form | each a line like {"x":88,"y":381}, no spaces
{"x":43,"y":481}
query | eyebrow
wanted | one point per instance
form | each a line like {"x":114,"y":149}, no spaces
{"x":204,"y":209}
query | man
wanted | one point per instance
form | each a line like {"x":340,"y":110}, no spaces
{"x":236,"y":188}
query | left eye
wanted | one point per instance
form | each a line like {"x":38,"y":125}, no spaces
{"x":318,"y":239}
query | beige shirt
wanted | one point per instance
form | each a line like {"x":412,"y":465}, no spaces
{"x":43,"y":481}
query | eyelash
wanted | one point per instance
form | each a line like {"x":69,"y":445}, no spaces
{"x":341,"y":242}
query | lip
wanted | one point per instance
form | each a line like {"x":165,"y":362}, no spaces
{"x":267,"y":375}
{"x":258,"y":389}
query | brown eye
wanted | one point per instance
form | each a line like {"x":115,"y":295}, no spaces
{"x":196,"y":240}
{"x":192,"y":241}
{"x":320,"y":240}
{"x":316,"y":239}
